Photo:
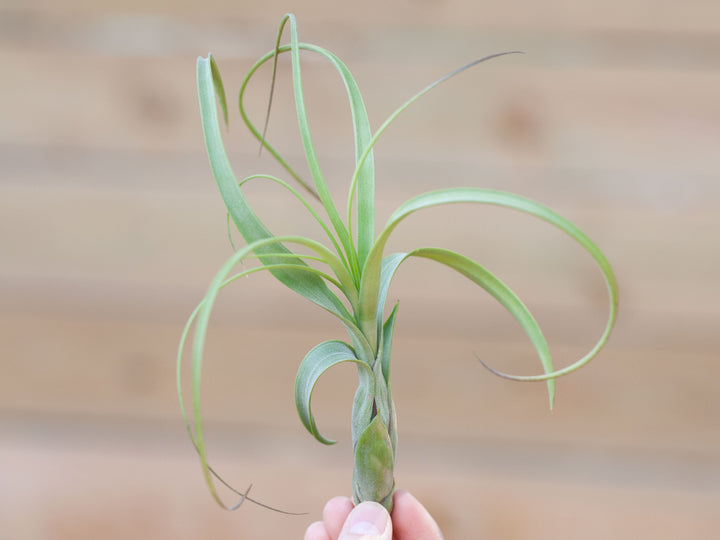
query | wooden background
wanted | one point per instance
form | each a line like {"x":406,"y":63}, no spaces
{"x":111,"y":228}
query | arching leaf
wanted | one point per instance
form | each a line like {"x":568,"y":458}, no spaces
{"x":321,"y":358}
{"x":245,"y":219}
{"x":374,"y":275}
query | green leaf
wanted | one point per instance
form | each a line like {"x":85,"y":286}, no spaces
{"x":219,"y":88}
{"x":321,"y":358}
{"x":287,"y":262}
{"x":309,"y":148}
{"x":386,"y":343}
{"x":196,"y":436}
{"x":207,"y":469}
{"x":486,"y":280}
{"x":507,"y":298}
{"x":247,"y":222}
{"x":364,"y":176}
{"x":363,"y":180}
{"x":389,"y":266}
{"x":374,"y":460}
{"x":374,"y":275}
{"x":261,"y":136}
{"x":201,"y":316}
{"x":310,"y":210}
{"x":384,"y":361}
{"x":363,"y":403}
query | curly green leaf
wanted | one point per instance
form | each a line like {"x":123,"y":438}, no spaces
{"x":321,"y":358}
{"x":373,"y":276}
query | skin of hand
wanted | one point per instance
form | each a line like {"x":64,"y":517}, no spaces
{"x":370,"y":521}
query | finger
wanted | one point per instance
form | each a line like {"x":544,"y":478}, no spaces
{"x":317,"y":531}
{"x":335,"y":513}
{"x":367,"y":521}
{"x":411,"y":520}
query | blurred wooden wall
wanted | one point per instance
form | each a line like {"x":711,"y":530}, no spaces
{"x":111,"y":228}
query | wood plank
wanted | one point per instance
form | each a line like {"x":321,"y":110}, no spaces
{"x":395,"y":43}
{"x":637,"y":15}
{"x":630,"y":398}
{"x":151,"y":486}
{"x":580,"y":119}
{"x":102,"y":243}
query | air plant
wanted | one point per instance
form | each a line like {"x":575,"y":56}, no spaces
{"x":349,"y":275}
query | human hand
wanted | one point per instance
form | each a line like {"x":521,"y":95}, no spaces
{"x":370,"y":521}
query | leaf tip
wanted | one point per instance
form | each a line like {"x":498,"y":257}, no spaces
{"x":492,"y":369}
{"x":551,"y":394}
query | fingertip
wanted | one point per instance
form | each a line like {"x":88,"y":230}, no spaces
{"x":317,"y":531}
{"x":335,"y":513}
{"x":368,"y":520}
{"x":404,"y":500}
{"x":338,"y":504}
{"x":412,"y":520}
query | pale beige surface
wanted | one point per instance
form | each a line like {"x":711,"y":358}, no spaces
{"x":111,"y":228}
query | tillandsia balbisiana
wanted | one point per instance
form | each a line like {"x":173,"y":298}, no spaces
{"x":354,"y":263}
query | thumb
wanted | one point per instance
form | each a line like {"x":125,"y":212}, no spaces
{"x":367,"y":521}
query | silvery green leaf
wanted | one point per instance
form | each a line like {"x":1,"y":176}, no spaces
{"x":321,"y":358}
{"x":374,"y":459}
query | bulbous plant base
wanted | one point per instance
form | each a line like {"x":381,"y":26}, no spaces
{"x":374,"y":464}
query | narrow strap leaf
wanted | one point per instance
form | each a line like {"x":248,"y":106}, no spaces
{"x":272,"y":92}
{"x":199,"y":444}
{"x":287,"y":262}
{"x":321,"y":358}
{"x":370,"y":291}
{"x":242,"y":215}
{"x":201,"y":316}
{"x":261,"y":136}
{"x":219,"y":88}
{"x":305,"y":203}
{"x":363,"y":403}
{"x":503,"y":294}
{"x":366,"y":155}
{"x":385,"y":355}
{"x":309,"y":148}
{"x":490,"y":283}
{"x":389,"y":266}
{"x":386,"y":343}
{"x":364,"y":182}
